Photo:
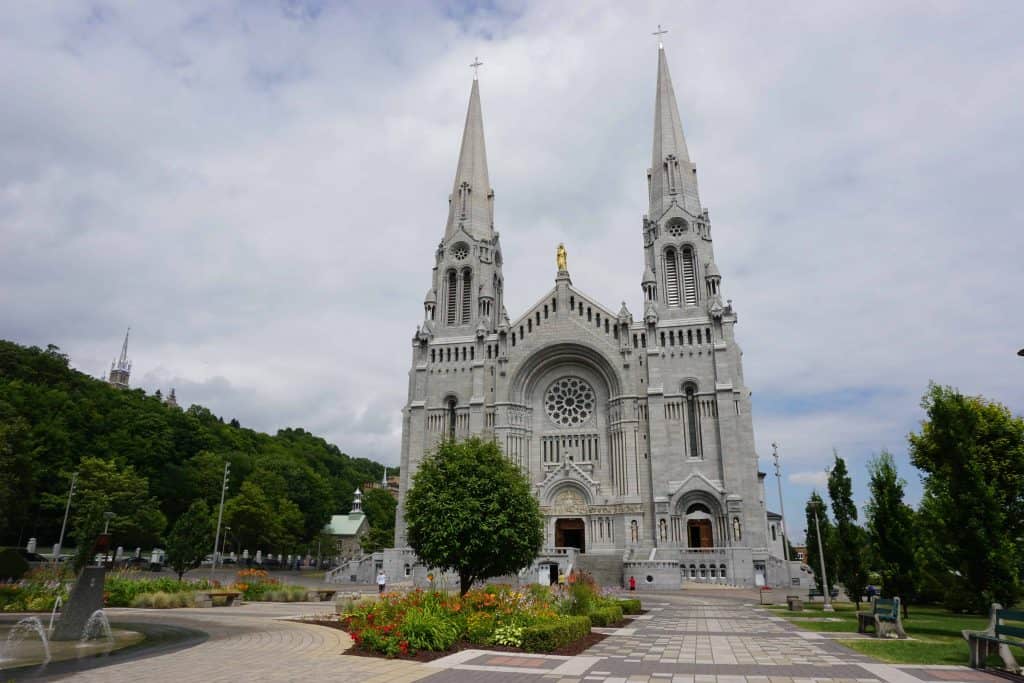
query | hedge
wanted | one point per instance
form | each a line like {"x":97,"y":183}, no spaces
{"x":552,"y":635}
{"x":630,"y":606}
{"x":602,"y":616}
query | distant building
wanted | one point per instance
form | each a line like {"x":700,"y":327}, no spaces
{"x":801,"y":553}
{"x":121,"y":369}
{"x":172,"y":400}
{"x":389,"y":483}
{"x":348,"y":530}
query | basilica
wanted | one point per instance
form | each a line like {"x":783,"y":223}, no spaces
{"x":634,"y":429}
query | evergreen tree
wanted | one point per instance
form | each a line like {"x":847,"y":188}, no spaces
{"x":972,"y":454}
{"x":190,"y":538}
{"x":890,"y":528}
{"x":849,"y":537}
{"x":827,"y":534}
{"x":471,"y":511}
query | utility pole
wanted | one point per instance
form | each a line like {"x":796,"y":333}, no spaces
{"x":782,"y":511}
{"x":67,"y":509}
{"x":827,"y":607}
{"x":220,"y":516}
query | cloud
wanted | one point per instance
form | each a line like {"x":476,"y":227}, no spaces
{"x":258,"y":190}
{"x":818,"y":479}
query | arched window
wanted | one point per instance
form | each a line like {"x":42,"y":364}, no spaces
{"x":451,"y":297}
{"x":692,"y":423}
{"x":689,"y":277}
{"x":467,"y":295}
{"x":451,"y":418}
{"x":671,"y":278}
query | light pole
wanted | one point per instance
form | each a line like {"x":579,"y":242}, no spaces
{"x":827,"y":607}
{"x":220,"y":516}
{"x":67,"y":509}
{"x":782,"y":511}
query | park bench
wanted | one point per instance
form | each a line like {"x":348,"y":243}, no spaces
{"x":321,"y":595}
{"x":815,"y":593}
{"x":1000,"y":635}
{"x":884,"y":617}
{"x":207,"y":598}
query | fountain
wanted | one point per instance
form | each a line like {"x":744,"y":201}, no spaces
{"x":97,"y":626}
{"x":56,"y":606}
{"x":20,"y":633}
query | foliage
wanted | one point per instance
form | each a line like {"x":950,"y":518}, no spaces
{"x":429,"y":628}
{"x":52,"y":418}
{"x":557,"y":633}
{"x":605,"y":616}
{"x":827,"y":541}
{"x":165,"y":600}
{"x":190,"y":538}
{"x":630,"y":606}
{"x":121,"y":589}
{"x":12,"y":565}
{"x":37,"y":591}
{"x":253,"y":584}
{"x":380,"y":507}
{"x":851,"y":566}
{"x":972,"y":454}
{"x":471,"y":511}
{"x":508,"y":635}
{"x":890,"y":530}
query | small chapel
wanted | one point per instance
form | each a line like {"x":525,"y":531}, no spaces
{"x":634,"y":428}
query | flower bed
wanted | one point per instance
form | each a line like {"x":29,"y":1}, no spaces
{"x":37,"y":591}
{"x":256,"y":585}
{"x":534,"y":620}
{"x":133,"y":589}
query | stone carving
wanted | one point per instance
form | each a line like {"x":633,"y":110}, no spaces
{"x":569,"y":502}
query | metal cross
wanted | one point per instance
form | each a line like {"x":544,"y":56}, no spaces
{"x":477,"y":64}
{"x":660,"y":32}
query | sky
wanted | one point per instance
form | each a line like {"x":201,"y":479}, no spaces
{"x":257,"y":189}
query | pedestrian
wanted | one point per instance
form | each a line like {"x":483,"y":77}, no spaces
{"x":632,"y":583}
{"x":382,"y":581}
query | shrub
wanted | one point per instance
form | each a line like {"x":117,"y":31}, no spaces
{"x":630,"y":606}
{"x":480,"y":628}
{"x":509,"y":635}
{"x":161,"y":600}
{"x":144,"y":600}
{"x":602,"y":616}
{"x":581,"y":599}
{"x":428,"y":629}
{"x":554,"y":634}
{"x":12,"y":565}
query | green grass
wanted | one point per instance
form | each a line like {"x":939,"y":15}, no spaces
{"x":935,"y":633}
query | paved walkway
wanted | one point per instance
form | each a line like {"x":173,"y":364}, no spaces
{"x":689,"y":638}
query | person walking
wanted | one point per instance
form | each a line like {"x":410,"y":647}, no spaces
{"x":632,"y":583}
{"x":382,"y":581}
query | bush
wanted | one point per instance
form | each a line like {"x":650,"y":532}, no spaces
{"x":162,"y":600}
{"x":603,"y":616}
{"x":630,"y":606}
{"x":581,"y":600}
{"x":143,"y":600}
{"x":554,"y":634}
{"x":508,"y":635}
{"x":12,"y":565}
{"x":428,"y":629}
{"x":480,"y":628}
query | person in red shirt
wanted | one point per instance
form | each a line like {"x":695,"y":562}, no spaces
{"x":632,"y":583}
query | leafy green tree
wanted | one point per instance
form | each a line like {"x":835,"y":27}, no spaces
{"x":18,"y":470}
{"x":379,"y":506}
{"x":890,"y":528}
{"x":471,"y":511}
{"x":190,"y":538}
{"x":971,"y":451}
{"x":827,"y":542}
{"x":253,"y":520}
{"x":850,"y":539}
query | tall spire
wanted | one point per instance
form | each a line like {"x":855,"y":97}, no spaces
{"x":472,"y":197}
{"x":671,"y":174}
{"x":121,"y":369}
{"x":123,"y":361}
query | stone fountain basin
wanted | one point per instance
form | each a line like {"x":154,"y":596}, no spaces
{"x":29,"y":652}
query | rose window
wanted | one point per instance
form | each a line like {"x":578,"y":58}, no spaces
{"x":569,"y":401}
{"x":460,"y":251}
{"x":677,"y":228}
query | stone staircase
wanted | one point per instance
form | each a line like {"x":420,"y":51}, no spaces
{"x":605,"y":568}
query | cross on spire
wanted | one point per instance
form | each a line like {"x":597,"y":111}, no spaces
{"x":476,"y":67}
{"x":660,"y":32}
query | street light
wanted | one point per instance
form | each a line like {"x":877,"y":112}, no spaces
{"x":67,"y":509}
{"x":782,"y":511}
{"x":827,"y":607}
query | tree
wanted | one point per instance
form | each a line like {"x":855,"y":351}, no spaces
{"x":827,"y":536}
{"x":252,"y":519}
{"x":890,"y":529}
{"x":190,"y":538}
{"x":470,"y":510}
{"x":850,"y":538}
{"x":971,"y":451}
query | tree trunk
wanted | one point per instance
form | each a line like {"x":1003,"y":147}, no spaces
{"x":465,"y":582}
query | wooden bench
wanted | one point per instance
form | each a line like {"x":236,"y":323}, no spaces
{"x":885,"y":617}
{"x":815,"y":593}
{"x":321,"y":595}
{"x":1000,"y":635}
{"x":207,"y":598}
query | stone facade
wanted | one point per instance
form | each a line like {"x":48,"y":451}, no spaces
{"x":636,"y":433}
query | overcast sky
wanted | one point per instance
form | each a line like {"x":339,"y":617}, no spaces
{"x":257,"y":189}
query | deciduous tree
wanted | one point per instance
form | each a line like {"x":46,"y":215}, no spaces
{"x":890,"y":528}
{"x":190,"y":538}
{"x":849,"y":537}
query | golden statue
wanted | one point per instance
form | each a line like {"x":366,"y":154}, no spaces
{"x":560,"y":258}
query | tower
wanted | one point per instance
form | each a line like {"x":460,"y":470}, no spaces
{"x":121,"y":369}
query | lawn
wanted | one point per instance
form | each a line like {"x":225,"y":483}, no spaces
{"x":934,"y":632}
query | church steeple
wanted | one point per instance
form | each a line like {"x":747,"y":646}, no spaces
{"x":672,"y":177}
{"x":471,"y":201}
{"x":121,"y":370}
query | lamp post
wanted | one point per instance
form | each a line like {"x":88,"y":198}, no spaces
{"x":782,"y":511}
{"x":64,"y":526}
{"x":220,"y":516}
{"x":827,"y":607}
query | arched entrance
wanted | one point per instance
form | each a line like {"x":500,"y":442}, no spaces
{"x":570,"y":533}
